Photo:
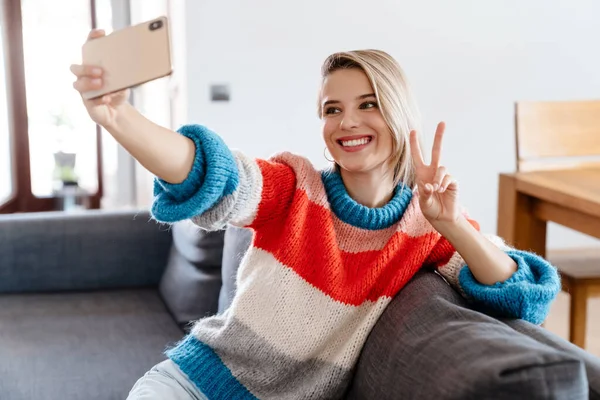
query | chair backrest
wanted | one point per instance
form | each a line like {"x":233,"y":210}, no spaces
{"x":547,"y":131}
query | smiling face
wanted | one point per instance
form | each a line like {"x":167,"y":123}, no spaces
{"x":354,"y":130}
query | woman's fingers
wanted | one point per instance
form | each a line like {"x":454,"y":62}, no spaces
{"x":100,"y":101}
{"x":425,"y":191}
{"x":440,"y":173}
{"x":88,"y":76}
{"x":86,"y":70}
{"x":96,"y":33}
{"x":86,"y":84}
{"x":436,"y":151}
{"x":446,"y":182}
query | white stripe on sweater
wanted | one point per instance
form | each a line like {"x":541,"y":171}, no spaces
{"x":240,"y":207}
{"x":310,"y":324}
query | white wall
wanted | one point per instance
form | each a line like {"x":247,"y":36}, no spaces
{"x":468,"y":62}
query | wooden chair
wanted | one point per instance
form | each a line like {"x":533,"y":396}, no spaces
{"x":562,"y":135}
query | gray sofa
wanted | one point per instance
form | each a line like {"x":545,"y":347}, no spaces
{"x":89,"y":302}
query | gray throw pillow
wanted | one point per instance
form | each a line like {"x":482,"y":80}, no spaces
{"x":428,"y":344}
{"x":191,"y":282}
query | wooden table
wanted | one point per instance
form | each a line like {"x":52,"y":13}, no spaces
{"x":528,"y":200}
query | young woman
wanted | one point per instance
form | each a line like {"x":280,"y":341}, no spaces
{"x":330,"y":249}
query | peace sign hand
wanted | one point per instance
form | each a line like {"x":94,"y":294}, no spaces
{"x":437,"y":190}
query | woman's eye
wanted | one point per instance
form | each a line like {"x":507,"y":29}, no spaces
{"x":331,"y":110}
{"x":368,"y":104}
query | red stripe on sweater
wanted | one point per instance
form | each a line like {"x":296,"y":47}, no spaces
{"x":279,"y":186}
{"x":346,"y":277}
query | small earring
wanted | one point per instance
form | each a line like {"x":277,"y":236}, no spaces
{"x":325,"y":155}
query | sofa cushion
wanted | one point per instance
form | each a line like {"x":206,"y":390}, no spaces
{"x":191,"y":283}
{"x":81,"y":345}
{"x":429,"y":345}
{"x":237,"y":242}
{"x":95,"y":249}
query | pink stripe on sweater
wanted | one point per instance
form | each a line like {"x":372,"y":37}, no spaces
{"x":308,"y":178}
{"x":352,"y":239}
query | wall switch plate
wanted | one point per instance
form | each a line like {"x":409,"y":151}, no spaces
{"x":219,"y":92}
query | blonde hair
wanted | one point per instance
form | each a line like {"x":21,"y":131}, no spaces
{"x":394,"y":97}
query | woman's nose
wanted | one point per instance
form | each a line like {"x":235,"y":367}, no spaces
{"x":350,"y":121}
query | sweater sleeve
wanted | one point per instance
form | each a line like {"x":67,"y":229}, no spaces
{"x":527,"y":294}
{"x":224,"y":187}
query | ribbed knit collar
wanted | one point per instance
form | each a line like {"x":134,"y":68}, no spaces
{"x":350,"y":211}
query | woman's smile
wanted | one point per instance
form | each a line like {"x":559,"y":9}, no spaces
{"x":354,"y":143}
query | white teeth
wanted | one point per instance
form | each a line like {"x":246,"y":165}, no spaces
{"x":355,"y":142}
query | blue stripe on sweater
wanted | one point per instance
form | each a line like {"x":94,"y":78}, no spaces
{"x":214,"y":175}
{"x":204,"y":367}
{"x":526,"y":295}
{"x":351,"y":212}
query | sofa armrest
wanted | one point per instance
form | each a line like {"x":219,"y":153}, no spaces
{"x":591,"y":362}
{"x":55,"y":251}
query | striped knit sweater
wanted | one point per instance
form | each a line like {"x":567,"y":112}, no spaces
{"x":320,"y":271}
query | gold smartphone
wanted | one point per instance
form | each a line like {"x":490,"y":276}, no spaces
{"x":130,"y":56}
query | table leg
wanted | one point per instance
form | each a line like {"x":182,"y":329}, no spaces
{"x":578,"y":320}
{"x":516,"y":223}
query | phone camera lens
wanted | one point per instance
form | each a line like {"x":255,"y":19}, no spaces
{"x":156,"y":25}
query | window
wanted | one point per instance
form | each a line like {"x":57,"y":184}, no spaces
{"x":58,"y":123}
{"x":46,"y":136}
{"x":42,"y":119}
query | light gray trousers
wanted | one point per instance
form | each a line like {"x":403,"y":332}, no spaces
{"x":165,"y":381}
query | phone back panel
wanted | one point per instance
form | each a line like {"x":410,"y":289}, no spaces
{"x":130,"y":56}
